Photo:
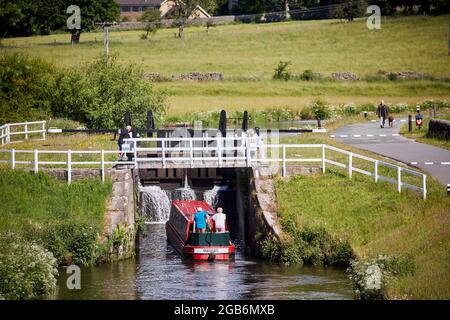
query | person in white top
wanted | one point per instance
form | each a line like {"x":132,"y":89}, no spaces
{"x":219,"y":220}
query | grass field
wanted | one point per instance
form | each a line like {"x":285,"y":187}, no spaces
{"x":248,"y":53}
{"x":80,"y":202}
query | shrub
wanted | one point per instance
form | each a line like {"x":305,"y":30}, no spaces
{"x":62,"y":123}
{"x":399,"y":107}
{"x":392,"y":76}
{"x":27,"y":270}
{"x":307,"y":113}
{"x":281,"y":71}
{"x":99,"y":94}
{"x":350,"y":110}
{"x":271,"y":250}
{"x":310,"y":245}
{"x":26,"y":88}
{"x":309,"y":75}
{"x":321,"y":110}
{"x":371,"y":276}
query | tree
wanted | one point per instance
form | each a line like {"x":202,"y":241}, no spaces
{"x":152,"y":19}
{"x":185,"y":9}
{"x":100,"y":93}
{"x":348,"y":9}
{"x":28,"y":17}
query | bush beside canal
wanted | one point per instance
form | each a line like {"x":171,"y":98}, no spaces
{"x":52,"y":224}
{"x":400,"y":242}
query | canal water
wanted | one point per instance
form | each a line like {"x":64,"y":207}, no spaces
{"x":159,"y":273}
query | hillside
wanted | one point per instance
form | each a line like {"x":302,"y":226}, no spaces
{"x":248,"y":53}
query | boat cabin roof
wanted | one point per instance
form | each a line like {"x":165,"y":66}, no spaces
{"x":189,"y":207}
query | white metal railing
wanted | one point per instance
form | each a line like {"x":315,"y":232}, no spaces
{"x":23,"y":128}
{"x":220,"y":152}
{"x":215,"y":151}
{"x":68,"y":163}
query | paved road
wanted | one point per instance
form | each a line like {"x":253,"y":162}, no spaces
{"x":387,"y":142}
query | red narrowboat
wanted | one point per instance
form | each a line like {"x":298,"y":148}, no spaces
{"x":209,"y":246}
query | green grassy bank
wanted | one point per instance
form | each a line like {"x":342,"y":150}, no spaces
{"x":421,"y":135}
{"x":45,"y":223}
{"x":377,"y":220}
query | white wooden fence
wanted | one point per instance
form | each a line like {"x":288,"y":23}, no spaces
{"x":24,"y":129}
{"x":246,"y":151}
{"x":221,"y":152}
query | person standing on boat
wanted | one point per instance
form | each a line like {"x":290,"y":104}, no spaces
{"x":200,"y":220}
{"x":219,"y":220}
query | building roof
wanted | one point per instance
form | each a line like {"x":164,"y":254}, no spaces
{"x":138,"y":2}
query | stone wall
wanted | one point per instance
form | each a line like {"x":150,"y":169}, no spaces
{"x":119,"y":220}
{"x":439,"y":129}
{"x":119,"y":225}
{"x":199,"y":76}
{"x":262,"y":215}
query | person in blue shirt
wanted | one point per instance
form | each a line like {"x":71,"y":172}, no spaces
{"x":200,"y":219}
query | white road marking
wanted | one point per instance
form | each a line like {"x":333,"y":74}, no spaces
{"x":382,"y":135}
{"x":332,"y":136}
{"x":431,"y":163}
{"x":395,"y":134}
{"x":357,"y":135}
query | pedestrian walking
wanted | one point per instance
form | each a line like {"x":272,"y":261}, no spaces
{"x":382,"y":113}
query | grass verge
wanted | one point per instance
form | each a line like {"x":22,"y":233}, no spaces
{"x":377,"y":220}
{"x":49,"y":223}
{"x":421,"y":135}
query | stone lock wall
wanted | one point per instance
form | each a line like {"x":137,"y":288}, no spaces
{"x":119,"y":225}
{"x":119,"y":233}
{"x":262,"y":219}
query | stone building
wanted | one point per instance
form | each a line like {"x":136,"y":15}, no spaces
{"x":133,"y":9}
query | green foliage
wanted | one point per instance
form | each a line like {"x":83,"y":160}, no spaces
{"x":152,"y":18}
{"x":281,"y":72}
{"x":349,"y":10}
{"x":27,"y":270}
{"x":70,"y":242}
{"x":372,"y":276}
{"x":309,"y":75}
{"x":139,"y":224}
{"x":24,"y":18}
{"x":67,"y":219}
{"x":310,"y":245}
{"x":97,"y":94}
{"x":100,"y":93}
{"x":320,"y":109}
{"x":26,"y":87}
